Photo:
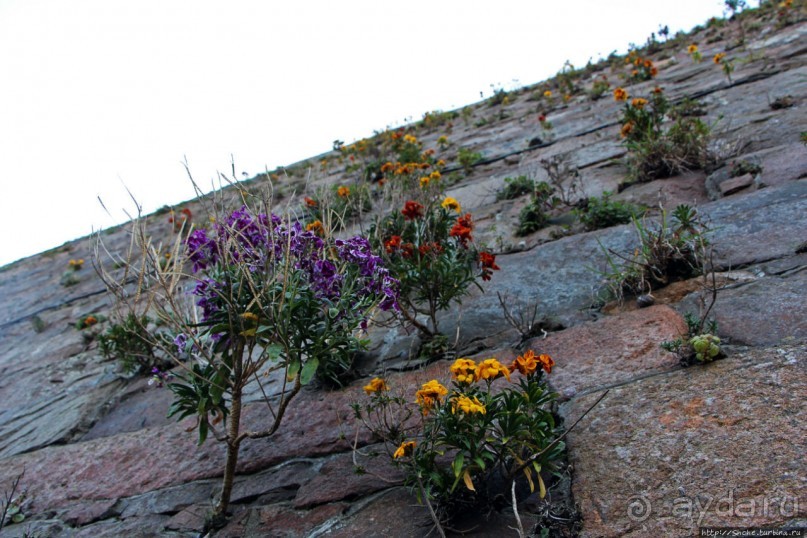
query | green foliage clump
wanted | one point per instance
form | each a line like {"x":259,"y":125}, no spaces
{"x":467,"y":159}
{"x":603,"y":212}
{"x":661,"y":140}
{"x":515,"y":187}
{"x":132,"y":344}
{"x":674,"y":249}
{"x":533,"y":216}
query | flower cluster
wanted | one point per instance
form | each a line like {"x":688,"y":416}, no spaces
{"x":643,"y":68}
{"x":429,"y":395}
{"x":472,"y":433}
{"x":462,"y":229}
{"x":75,"y":265}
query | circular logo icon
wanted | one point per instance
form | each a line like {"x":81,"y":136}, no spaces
{"x":638,"y":509}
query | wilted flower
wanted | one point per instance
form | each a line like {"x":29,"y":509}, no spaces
{"x":638,"y":102}
{"x":412,"y":210}
{"x":376,"y":385}
{"x":627,"y":129}
{"x":406,"y":449}
{"x":488,"y":263}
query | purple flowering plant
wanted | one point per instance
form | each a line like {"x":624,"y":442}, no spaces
{"x":268,"y":297}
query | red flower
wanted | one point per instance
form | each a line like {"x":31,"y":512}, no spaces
{"x":392,"y":244}
{"x":408,"y":249}
{"x":310,"y":202}
{"x":488,"y":263}
{"x":542,"y":118}
{"x":462,"y":229}
{"x":412,"y":210}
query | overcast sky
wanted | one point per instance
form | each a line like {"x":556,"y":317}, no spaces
{"x":98,"y":94}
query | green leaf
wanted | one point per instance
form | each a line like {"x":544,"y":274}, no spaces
{"x":457,"y":464}
{"x":18,"y":517}
{"x":294,"y":367}
{"x":273,"y":351}
{"x":333,"y":312}
{"x":202,"y":431}
{"x":309,"y":369}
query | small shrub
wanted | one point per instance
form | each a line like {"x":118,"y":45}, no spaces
{"x":87,"y":321}
{"x":131,"y":343}
{"x":473,"y":438}
{"x":599,"y":88}
{"x":38,"y":324}
{"x":742,"y":167}
{"x":656,"y":150}
{"x":603,"y":212}
{"x":672,"y":250}
{"x":429,"y":248}
{"x":533,"y":216}
{"x":515,"y":187}
{"x":467,"y":159}
{"x":699,"y":345}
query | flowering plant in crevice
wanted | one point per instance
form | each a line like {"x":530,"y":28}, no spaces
{"x":662,"y":140}
{"x":269,"y":296}
{"x":428,"y":246}
{"x":461,"y":446}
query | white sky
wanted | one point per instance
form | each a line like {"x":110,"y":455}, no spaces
{"x":95,"y":94}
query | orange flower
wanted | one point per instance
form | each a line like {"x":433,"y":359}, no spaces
{"x":464,"y":370}
{"x":310,"y":202}
{"x":387,"y":167}
{"x":315,"y":227}
{"x":546,"y":363}
{"x":376,"y":385}
{"x":343,"y":192}
{"x":692,"y":49}
{"x":638,"y":102}
{"x":424,"y":182}
{"x":429,"y":395}
{"x":412,"y":210}
{"x":525,"y":364}
{"x":548,"y":94}
{"x":491,"y":369}
{"x":435,"y":175}
{"x":620,"y":94}
{"x":462,"y":229}
{"x":719,"y":57}
{"x":626,"y":129}
{"x":653,"y":71}
{"x":392,"y":244}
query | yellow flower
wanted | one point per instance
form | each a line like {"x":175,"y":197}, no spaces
{"x":76,"y":264}
{"x":491,"y":369}
{"x":467,"y":405}
{"x":451,"y":203}
{"x":406,"y":449}
{"x":424,"y":182}
{"x":567,"y":97}
{"x":620,"y":94}
{"x":376,"y":385}
{"x":719,"y":57}
{"x":343,"y":191}
{"x":692,"y":49}
{"x":249,"y":316}
{"x":435,"y":175}
{"x":464,"y":370}
{"x":411,"y":139}
{"x":429,"y":395}
{"x":440,"y":162}
{"x":638,"y":102}
{"x":548,"y":94}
